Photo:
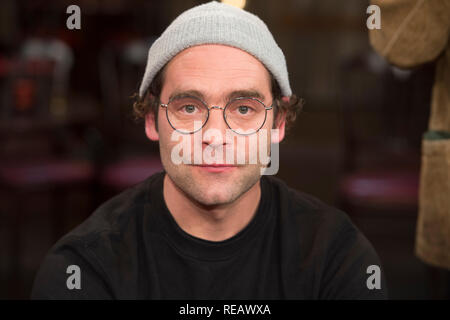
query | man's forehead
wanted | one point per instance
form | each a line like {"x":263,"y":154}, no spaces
{"x":216,"y":57}
{"x":225,"y":95}
{"x":208,"y":68}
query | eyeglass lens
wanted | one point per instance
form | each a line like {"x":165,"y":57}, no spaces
{"x":242,"y":115}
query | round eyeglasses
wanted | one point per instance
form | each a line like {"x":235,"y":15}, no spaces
{"x":243,"y":115}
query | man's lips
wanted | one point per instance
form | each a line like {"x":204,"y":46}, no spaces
{"x":216,"y":165}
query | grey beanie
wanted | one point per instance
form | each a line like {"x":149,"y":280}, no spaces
{"x":217,"y":23}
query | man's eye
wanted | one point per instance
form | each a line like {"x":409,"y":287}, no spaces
{"x":243,"y":109}
{"x":188,"y":108}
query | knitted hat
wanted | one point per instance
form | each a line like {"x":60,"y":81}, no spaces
{"x":217,"y":23}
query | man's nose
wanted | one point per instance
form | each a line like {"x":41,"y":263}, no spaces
{"x":217,"y":122}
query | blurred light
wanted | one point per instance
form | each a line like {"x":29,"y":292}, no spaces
{"x":237,"y":3}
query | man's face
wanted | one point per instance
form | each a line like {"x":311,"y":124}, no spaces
{"x":213,"y":73}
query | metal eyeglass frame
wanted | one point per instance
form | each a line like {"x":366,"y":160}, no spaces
{"x":165,"y":105}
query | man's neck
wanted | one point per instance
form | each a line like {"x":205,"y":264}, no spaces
{"x":213,"y":223}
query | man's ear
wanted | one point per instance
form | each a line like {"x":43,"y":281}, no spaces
{"x":280,"y":123}
{"x":150,"y":127}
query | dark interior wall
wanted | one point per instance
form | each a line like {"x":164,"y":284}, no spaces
{"x":317,"y":37}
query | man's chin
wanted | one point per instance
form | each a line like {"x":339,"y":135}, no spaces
{"x":214,"y":188}
{"x":214,"y":185}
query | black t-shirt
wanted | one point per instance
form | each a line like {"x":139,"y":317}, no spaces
{"x":295,"y":247}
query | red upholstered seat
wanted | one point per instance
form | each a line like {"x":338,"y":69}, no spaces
{"x":381,"y":189}
{"x":30,"y":173}
{"x":128,"y":172}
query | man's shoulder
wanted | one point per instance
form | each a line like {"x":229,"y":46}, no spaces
{"x":313,"y":226}
{"x":114,"y":216}
{"x":303,"y":207}
{"x":102,"y":246}
{"x":323,"y":238}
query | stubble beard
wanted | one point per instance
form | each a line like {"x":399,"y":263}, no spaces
{"x":211,"y":189}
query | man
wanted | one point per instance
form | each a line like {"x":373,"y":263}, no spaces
{"x":214,"y":229}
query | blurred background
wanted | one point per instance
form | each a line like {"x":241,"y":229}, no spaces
{"x":68,"y":140}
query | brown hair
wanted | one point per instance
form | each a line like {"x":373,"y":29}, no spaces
{"x":149,"y":102}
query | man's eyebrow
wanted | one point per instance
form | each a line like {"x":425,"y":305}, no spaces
{"x":250,"y":93}
{"x":186,"y":93}
{"x":246,"y":93}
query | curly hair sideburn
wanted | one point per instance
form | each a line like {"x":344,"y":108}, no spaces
{"x":150,"y":102}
